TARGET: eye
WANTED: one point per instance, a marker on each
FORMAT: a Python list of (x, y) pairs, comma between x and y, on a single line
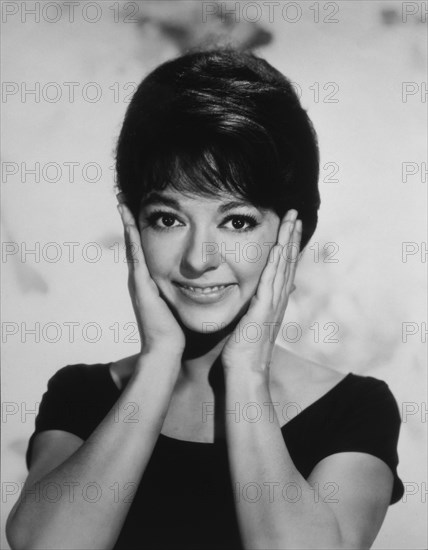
[(161, 215), (243, 219), (168, 219)]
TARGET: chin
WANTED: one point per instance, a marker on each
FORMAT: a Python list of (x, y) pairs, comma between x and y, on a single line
[(206, 320)]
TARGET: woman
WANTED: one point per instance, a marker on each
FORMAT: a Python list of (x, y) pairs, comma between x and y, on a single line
[(189, 443)]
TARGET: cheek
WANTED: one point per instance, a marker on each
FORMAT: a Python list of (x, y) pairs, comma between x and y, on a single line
[(253, 259), (156, 255)]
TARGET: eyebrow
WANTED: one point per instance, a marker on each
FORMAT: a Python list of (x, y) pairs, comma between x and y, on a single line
[(157, 198)]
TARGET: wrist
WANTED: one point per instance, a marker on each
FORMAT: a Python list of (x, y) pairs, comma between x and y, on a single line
[(246, 365), (164, 358), (245, 374), (162, 350)]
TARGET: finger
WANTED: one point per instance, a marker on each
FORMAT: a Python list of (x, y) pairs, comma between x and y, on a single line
[(127, 216), (264, 289), (294, 259), (134, 250), (284, 228), (292, 249), (128, 235), (285, 236)]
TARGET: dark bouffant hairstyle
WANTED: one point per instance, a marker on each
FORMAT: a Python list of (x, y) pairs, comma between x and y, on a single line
[(220, 121)]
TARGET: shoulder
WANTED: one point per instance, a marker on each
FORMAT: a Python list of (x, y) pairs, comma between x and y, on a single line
[(78, 395), (360, 415), (303, 381), (292, 368), (362, 412), (298, 379), (72, 402), (66, 376), (78, 378)]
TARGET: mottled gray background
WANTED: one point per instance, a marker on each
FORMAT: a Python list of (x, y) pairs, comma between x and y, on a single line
[(350, 61)]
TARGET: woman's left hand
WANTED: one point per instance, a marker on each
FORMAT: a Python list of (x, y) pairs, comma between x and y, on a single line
[(267, 307)]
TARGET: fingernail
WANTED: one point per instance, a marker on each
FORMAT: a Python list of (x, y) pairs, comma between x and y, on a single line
[(292, 215)]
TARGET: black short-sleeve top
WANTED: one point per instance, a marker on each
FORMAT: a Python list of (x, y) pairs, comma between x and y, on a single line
[(189, 482)]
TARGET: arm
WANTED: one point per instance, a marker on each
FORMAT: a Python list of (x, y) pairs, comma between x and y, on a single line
[(116, 452), (258, 455), (279, 509)]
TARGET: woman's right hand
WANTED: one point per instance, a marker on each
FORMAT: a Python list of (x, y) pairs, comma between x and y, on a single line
[(159, 330)]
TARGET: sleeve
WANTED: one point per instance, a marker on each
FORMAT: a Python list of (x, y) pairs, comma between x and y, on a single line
[(371, 424), (57, 410)]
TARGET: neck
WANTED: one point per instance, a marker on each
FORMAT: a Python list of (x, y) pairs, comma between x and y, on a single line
[(201, 356)]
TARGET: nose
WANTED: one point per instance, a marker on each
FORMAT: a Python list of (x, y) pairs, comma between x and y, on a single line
[(201, 253)]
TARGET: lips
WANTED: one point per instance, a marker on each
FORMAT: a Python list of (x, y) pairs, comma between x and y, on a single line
[(207, 294), (205, 289)]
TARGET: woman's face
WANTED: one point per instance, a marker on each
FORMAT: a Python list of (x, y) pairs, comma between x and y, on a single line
[(195, 241)]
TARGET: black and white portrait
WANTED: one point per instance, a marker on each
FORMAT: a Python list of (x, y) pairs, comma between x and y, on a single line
[(214, 275)]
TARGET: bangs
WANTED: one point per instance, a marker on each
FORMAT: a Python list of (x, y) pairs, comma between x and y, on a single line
[(208, 170)]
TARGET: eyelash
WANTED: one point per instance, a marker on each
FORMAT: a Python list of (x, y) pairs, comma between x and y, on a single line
[(157, 214)]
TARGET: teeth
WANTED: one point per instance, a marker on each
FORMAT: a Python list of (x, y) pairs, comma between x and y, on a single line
[(207, 290)]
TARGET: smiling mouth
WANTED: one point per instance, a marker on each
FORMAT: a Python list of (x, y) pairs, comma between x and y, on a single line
[(207, 295), (204, 290)]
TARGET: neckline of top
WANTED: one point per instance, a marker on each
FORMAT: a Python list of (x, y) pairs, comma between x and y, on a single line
[(283, 427)]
